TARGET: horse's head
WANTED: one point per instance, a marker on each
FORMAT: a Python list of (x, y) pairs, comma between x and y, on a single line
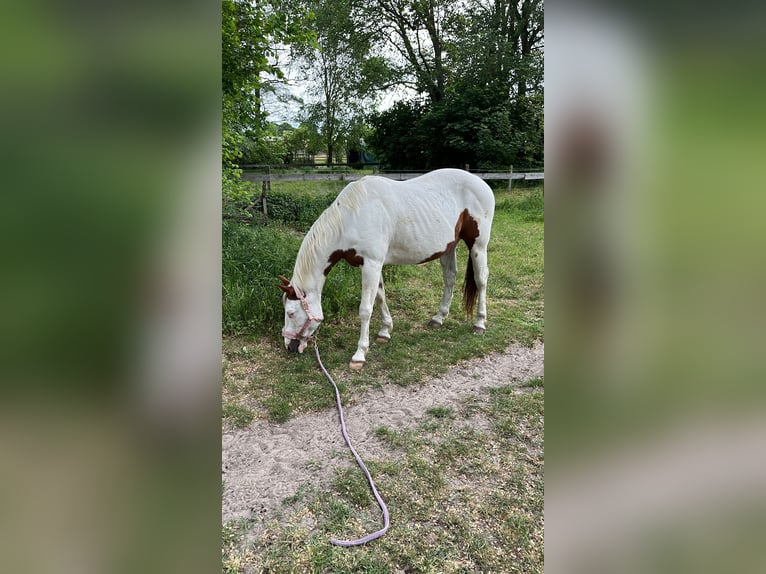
[(303, 315)]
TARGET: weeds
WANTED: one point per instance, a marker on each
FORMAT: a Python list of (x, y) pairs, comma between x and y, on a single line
[(238, 415)]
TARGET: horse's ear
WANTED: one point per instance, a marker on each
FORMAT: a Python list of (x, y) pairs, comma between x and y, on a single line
[(289, 290), (284, 280)]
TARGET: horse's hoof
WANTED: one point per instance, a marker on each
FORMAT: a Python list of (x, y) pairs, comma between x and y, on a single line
[(433, 323), (380, 339), (356, 365), (478, 330)]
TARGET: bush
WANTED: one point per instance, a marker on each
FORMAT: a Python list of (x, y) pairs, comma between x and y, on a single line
[(297, 210)]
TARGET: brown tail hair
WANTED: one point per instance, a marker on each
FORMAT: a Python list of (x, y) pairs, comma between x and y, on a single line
[(470, 290)]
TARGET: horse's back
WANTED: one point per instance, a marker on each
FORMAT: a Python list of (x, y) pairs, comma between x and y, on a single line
[(465, 189), (414, 220), (459, 188)]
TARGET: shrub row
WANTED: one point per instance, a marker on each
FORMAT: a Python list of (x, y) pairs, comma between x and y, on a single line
[(296, 209)]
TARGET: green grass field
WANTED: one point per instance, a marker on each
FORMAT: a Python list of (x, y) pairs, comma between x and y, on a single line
[(465, 482)]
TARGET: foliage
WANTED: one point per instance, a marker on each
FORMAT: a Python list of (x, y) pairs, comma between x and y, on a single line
[(301, 143), (479, 64), (341, 70), (398, 139), (419, 34), (529, 206), (297, 210), (236, 193), (475, 65), (252, 259), (250, 34), (472, 125)]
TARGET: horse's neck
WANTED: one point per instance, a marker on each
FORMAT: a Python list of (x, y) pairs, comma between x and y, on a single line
[(313, 259), (312, 281)]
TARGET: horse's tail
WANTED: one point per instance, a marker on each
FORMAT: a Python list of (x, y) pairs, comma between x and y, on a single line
[(470, 291)]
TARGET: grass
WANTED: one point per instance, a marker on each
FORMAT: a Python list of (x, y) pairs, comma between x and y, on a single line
[(260, 375), (464, 484), (461, 500), (239, 416)]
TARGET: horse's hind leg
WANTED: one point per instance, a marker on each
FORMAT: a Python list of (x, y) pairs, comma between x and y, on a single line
[(481, 272), (449, 273), (388, 323), (370, 280)]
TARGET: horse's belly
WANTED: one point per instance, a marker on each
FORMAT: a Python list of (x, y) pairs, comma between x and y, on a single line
[(413, 249)]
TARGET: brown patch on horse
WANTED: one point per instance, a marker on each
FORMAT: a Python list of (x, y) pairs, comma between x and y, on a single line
[(466, 228), (289, 291), (350, 255), (469, 229), (438, 254)]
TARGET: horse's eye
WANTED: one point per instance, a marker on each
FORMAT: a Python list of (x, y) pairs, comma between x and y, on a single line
[(291, 314)]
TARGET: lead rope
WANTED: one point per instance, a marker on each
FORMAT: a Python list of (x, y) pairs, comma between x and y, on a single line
[(360, 462)]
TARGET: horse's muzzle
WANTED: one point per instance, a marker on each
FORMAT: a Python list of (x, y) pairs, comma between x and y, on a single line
[(293, 346)]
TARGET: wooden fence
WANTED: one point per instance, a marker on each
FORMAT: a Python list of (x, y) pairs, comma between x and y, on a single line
[(398, 176), (268, 177)]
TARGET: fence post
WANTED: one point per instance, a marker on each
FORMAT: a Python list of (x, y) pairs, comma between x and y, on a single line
[(510, 178), (266, 185)]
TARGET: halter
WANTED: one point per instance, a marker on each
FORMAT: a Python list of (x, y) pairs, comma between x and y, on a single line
[(302, 334)]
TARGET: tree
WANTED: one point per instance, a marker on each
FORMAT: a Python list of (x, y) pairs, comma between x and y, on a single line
[(340, 68), (479, 63), (397, 137), (250, 34), (416, 30)]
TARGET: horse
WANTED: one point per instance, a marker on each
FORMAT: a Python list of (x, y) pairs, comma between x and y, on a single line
[(376, 221)]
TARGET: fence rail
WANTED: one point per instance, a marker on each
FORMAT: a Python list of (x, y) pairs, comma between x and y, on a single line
[(397, 176)]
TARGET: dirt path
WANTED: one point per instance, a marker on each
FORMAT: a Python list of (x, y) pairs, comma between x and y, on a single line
[(265, 463)]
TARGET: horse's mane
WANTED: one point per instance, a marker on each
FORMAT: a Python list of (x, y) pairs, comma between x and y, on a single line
[(328, 227)]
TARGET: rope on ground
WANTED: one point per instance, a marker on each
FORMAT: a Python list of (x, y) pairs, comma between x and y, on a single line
[(360, 462)]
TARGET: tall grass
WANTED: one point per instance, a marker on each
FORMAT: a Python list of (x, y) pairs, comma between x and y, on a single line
[(252, 258), (527, 203), (297, 210)]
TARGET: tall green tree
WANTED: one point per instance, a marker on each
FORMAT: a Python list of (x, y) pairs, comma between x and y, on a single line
[(251, 33), (418, 31), (340, 69), (478, 63)]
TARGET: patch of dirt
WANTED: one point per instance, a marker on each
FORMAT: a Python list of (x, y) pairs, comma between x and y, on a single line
[(265, 463)]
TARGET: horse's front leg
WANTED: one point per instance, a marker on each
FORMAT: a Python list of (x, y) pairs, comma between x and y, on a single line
[(370, 278)]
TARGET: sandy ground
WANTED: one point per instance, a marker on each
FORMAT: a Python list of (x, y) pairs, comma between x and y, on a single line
[(265, 463)]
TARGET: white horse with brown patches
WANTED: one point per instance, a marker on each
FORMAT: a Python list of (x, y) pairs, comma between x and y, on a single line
[(376, 221)]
